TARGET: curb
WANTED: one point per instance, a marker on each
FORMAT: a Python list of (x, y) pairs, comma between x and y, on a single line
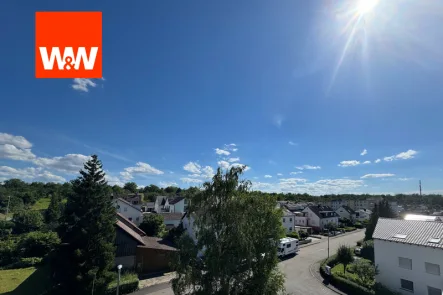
[(316, 274)]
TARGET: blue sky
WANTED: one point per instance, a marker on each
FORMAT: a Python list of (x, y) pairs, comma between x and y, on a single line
[(296, 90)]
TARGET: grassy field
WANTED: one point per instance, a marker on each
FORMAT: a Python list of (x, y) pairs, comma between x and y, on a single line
[(338, 269), (41, 204), (30, 280)]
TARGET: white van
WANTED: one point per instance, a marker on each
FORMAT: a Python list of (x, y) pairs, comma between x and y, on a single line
[(287, 246)]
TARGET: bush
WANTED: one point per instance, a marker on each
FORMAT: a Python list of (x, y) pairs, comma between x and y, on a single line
[(349, 229), (349, 287), (294, 235), (8, 252), (303, 235), (25, 262), (27, 221), (367, 250), (6, 228), (358, 225), (38, 244), (359, 243), (128, 284)]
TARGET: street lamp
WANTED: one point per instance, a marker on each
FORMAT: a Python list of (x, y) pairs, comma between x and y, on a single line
[(119, 267)]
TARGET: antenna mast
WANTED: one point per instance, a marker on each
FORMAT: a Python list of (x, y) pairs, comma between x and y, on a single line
[(419, 185)]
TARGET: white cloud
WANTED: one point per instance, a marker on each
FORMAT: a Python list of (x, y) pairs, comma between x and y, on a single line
[(126, 176), (194, 175), (308, 167), (207, 172), (9, 151), (292, 143), (167, 183), (405, 179), (191, 180), (29, 174), (231, 144), (268, 176), (234, 150), (81, 84), (222, 152), (409, 154), (246, 168), (192, 167), (223, 164), (17, 141), (366, 162), (279, 174), (278, 120), (379, 175), (295, 173), (349, 163), (364, 152), (233, 159), (263, 186), (70, 163), (377, 161), (320, 187), (113, 180), (142, 168)]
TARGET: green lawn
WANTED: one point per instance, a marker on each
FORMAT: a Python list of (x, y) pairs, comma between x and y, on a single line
[(23, 281), (41, 204), (338, 269)]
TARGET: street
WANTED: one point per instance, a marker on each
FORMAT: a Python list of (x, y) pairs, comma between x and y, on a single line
[(299, 279)]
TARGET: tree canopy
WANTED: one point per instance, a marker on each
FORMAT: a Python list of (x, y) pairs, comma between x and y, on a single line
[(153, 225), (238, 234), (383, 209)]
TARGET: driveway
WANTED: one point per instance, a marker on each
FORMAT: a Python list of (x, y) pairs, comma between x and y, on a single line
[(299, 279)]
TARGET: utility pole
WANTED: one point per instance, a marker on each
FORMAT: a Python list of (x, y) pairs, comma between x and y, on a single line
[(328, 243), (419, 185), (7, 208)]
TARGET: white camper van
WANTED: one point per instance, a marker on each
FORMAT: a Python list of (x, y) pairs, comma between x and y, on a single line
[(287, 246)]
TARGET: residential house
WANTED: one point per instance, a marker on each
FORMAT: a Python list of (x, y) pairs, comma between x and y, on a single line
[(171, 219), (409, 255), (319, 216), (300, 219), (131, 212), (362, 214), (288, 220), (170, 204), (136, 250), (346, 212), (148, 207)]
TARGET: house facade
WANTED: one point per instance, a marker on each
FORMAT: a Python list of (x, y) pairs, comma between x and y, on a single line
[(131, 212), (362, 214), (409, 255), (319, 216), (346, 212), (288, 221), (170, 204)]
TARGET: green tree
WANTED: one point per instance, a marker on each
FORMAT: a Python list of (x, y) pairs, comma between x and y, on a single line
[(383, 209), (117, 191), (38, 244), (238, 233), (27, 221), (54, 211), (171, 189), (367, 250), (131, 186), (153, 225), (365, 272), (344, 256), (89, 231)]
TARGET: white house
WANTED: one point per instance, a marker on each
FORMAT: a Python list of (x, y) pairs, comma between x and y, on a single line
[(131, 212), (346, 212), (170, 204), (300, 219), (288, 220), (409, 255), (319, 216), (362, 214)]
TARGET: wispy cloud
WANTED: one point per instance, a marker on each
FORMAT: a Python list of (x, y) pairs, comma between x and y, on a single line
[(83, 85), (167, 183), (268, 176), (222, 152), (364, 152), (141, 169), (349, 163), (366, 162), (377, 161), (198, 171), (279, 174), (409, 154), (308, 167), (292, 143), (296, 172), (191, 180), (231, 160), (379, 175)]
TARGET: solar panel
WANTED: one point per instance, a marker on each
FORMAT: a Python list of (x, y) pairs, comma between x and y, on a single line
[(400, 236), (434, 240)]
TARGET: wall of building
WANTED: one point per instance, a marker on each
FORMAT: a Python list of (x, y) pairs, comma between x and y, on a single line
[(343, 213), (172, 223), (300, 221), (128, 262), (125, 244), (178, 207), (131, 213), (288, 223), (386, 257), (153, 260)]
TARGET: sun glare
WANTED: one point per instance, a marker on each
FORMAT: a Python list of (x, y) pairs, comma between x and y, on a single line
[(365, 6)]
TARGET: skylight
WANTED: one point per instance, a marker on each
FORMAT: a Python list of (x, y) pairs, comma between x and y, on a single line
[(434, 240), (400, 236)]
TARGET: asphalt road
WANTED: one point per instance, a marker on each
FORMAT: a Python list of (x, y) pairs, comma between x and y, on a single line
[(299, 279)]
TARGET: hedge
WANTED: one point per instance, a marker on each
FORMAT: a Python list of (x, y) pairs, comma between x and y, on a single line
[(24, 262), (128, 284), (348, 286)]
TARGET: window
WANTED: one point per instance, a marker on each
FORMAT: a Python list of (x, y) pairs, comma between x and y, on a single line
[(433, 269), (125, 209), (434, 291), (284, 219), (290, 229), (130, 218), (288, 246), (290, 219), (405, 263), (137, 219), (407, 285)]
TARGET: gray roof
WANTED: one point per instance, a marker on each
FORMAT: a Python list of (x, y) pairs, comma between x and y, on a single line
[(416, 232), (349, 209), (171, 216)]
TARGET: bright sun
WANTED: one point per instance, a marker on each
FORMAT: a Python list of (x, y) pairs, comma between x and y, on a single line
[(365, 6)]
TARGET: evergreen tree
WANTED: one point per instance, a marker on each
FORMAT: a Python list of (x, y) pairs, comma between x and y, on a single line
[(54, 211), (381, 210), (89, 232), (238, 234)]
